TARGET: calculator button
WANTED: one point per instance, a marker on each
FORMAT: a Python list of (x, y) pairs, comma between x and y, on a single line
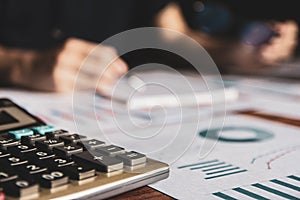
[(56, 134), (59, 162), (67, 150), (91, 144), (132, 158), (21, 149), (98, 161), (49, 144), (13, 161), (4, 153), (110, 150), (52, 179), (7, 142), (79, 172), (43, 129), (7, 174), (19, 133), (37, 156), (72, 138), (31, 139), (30, 169), (21, 188)]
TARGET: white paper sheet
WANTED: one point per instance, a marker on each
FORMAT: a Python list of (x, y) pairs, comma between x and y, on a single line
[(96, 114), (260, 161), (177, 142)]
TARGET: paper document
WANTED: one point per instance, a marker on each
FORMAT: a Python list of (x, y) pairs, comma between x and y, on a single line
[(252, 157), (91, 113), (170, 89)]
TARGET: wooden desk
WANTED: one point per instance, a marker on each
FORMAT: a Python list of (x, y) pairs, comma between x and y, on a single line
[(142, 193), (149, 193)]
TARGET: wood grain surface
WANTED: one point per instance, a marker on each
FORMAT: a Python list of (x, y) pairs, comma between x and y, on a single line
[(145, 192)]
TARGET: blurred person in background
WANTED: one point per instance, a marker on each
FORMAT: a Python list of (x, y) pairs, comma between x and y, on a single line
[(43, 43), (241, 36)]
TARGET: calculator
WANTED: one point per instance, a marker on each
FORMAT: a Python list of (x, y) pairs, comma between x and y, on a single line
[(40, 161)]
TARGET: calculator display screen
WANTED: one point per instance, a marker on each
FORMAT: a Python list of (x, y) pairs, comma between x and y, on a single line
[(6, 118), (12, 117)]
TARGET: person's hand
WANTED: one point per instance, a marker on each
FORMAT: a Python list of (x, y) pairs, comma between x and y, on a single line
[(280, 47), (89, 64), (249, 59), (78, 64)]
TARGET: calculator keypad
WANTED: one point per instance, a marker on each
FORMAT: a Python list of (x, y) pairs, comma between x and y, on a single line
[(13, 161), (91, 144), (7, 142), (99, 161), (67, 150), (30, 169), (52, 179), (41, 157), (110, 150), (79, 171), (21, 149), (7, 175), (19, 187), (30, 140), (72, 138), (132, 158), (19, 133), (4, 153), (49, 144)]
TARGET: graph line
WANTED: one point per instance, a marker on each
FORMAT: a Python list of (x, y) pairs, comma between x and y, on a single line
[(296, 147), (280, 156)]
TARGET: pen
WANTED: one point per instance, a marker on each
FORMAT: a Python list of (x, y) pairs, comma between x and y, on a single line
[(136, 83)]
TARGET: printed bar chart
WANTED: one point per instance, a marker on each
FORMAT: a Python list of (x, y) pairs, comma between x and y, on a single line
[(275, 188), (214, 168)]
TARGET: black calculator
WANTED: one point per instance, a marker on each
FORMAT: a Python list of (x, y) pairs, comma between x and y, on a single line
[(40, 161)]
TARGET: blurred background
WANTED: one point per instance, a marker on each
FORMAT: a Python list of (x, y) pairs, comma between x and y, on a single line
[(243, 37)]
